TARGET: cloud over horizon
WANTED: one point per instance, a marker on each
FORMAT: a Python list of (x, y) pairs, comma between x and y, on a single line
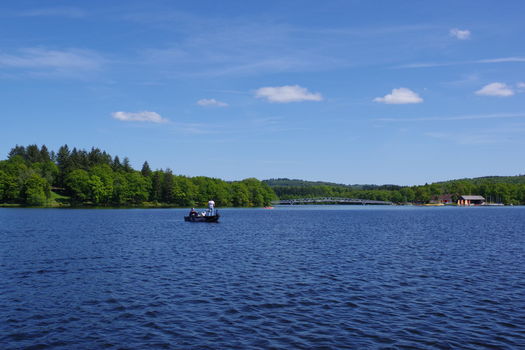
[(495, 89), (143, 116), (286, 94), (400, 96), (211, 102)]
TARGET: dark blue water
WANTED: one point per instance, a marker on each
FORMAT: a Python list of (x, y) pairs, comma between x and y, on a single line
[(346, 277)]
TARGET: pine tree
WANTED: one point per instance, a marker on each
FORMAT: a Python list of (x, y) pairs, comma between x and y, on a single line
[(146, 170), (127, 167), (63, 157), (33, 154), (156, 186), (116, 164), (95, 156), (44, 154), (17, 151), (167, 187), (64, 164)]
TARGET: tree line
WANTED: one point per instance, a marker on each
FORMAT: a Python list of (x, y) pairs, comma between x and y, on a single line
[(35, 176), (506, 190)]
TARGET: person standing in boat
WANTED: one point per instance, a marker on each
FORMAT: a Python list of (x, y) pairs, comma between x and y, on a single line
[(211, 208)]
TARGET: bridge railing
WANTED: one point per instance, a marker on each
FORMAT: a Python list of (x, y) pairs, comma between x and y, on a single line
[(339, 200)]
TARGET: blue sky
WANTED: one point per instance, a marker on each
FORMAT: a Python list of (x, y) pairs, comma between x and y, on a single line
[(402, 92)]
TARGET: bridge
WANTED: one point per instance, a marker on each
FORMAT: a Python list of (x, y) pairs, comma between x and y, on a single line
[(330, 200)]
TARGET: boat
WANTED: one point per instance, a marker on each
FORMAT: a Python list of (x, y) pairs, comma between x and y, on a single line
[(209, 215), (202, 218)]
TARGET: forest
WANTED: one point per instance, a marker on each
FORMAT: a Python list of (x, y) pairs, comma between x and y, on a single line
[(35, 176), (496, 189)]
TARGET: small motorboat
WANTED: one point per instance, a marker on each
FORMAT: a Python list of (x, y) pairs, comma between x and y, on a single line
[(209, 215), (200, 218)]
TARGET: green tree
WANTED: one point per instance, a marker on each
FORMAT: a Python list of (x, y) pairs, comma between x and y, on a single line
[(33, 154), (44, 154), (47, 170), (36, 190), (156, 186), (77, 183), (97, 190), (167, 187), (257, 199), (396, 197), (422, 194), (121, 193), (97, 157), (138, 187), (116, 165), (146, 170), (240, 195), (19, 151), (126, 166), (9, 188), (184, 191), (106, 176), (64, 164)]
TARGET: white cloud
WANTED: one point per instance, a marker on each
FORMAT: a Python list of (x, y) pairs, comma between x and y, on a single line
[(495, 89), (208, 102), (68, 12), (445, 64), (426, 65), (287, 93), (454, 118), (143, 116), (400, 96), (501, 60), (520, 87), (39, 58), (460, 34)]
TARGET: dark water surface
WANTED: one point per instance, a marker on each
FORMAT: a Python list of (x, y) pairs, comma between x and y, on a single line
[(291, 278)]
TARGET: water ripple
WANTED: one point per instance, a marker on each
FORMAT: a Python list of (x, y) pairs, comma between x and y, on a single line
[(405, 278)]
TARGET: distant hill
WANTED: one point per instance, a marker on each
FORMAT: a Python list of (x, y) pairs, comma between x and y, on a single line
[(498, 189), (518, 179), (285, 182), (299, 183)]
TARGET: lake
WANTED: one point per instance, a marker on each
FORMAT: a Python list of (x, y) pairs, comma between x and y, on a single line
[(326, 277)]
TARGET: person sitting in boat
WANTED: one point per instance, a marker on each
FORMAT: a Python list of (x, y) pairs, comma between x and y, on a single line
[(193, 212)]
